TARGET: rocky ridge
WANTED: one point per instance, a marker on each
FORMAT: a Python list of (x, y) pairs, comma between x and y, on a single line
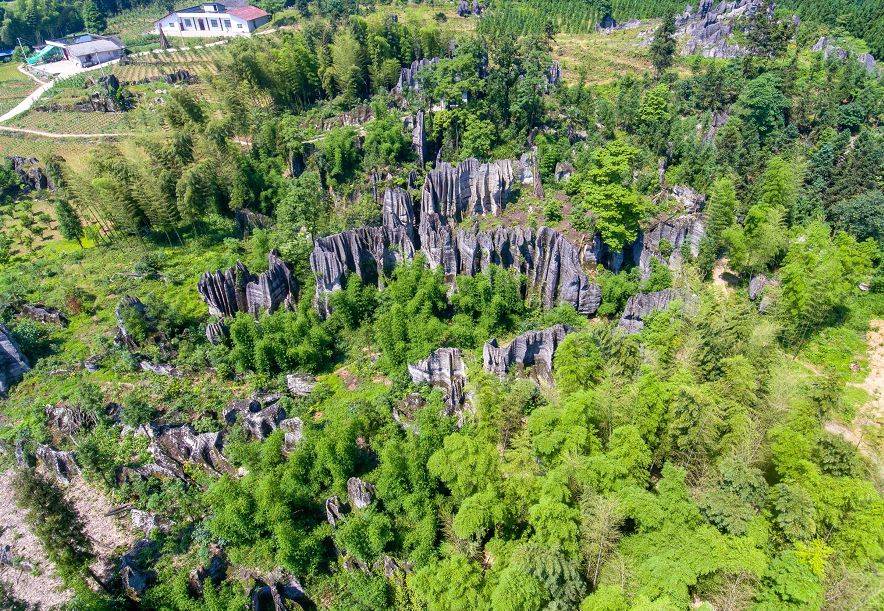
[(534, 348), (238, 290)]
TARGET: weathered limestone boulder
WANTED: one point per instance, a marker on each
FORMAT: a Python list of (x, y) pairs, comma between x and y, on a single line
[(173, 447), (670, 236), (277, 596), (44, 314), (134, 577), (548, 260), (60, 465), (640, 306), (444, 369), (30, 173), (708, 30), (13, 363), (238, 290), (607, 22), (259, 419), (367, 252), (179, 76), (534, 348), (293, 431), (68, 419), (760, 286), (333, 510), (300, 384), (360, 493), (554, 73), (216, 333), (419, 137), (160, 369), (408, 75), (469, 188), (128, 306), (214, 571), (832, 51), (248, 220), (397, 210), (563, 171)]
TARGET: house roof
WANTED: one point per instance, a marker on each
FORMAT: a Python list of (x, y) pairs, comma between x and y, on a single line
[(248, 12), (86, 44)]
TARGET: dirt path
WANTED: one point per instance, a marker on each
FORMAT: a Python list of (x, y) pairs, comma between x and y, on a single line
[(865, 431), (33, 577), (36, 132)]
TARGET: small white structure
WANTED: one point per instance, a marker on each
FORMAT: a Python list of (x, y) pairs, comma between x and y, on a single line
[(88, 50), (212, 19)]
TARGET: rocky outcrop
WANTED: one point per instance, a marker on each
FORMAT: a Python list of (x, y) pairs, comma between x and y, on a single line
[(563, 171), (44, 314), (333, 511), (277, 595), (554, 74), (832, 51), (708, 29), (640, 306), (30, 173), (127, 311), (68, 420), (534, 348), (465, 8), (367, 253), (258, 418), (293, 432), (60, 465), (134, 577), (13, 363), (397, 210), (470, 188), (247, 221), (213, 571), (549, 261), (760, 290), (444, 369), (419, 138), (300, 384), (408, 75), (360, 115), (238, 290), (360, 493), (175, 447), (669, 238), (216, 333)]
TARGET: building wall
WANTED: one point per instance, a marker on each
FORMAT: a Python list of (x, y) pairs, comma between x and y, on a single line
[(97, 58), (214, 24)]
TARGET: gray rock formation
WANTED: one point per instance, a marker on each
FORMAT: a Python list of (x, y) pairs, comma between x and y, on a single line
[(760, 287), (280, 595), (832, 51), (293, 432), (465, 8), (68, 419), (534, 348), (397, 211), (333, 510), (60, 465), (128, 306), (360, 493), (214, 572), (367, 253), (238, 290), (668, 238), (175, 447), (247, 221), (216, 333), (640, 306), (133, 576), (300, 384), (30, 173), (13, 363), (258, 418), (554, 74), (160, 369), (44, 314), (470, 188), (444, 369), (563, 171), (419, 138), (708, 29), (408, 75)]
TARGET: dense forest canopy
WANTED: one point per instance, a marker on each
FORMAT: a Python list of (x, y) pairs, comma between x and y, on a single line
[(400, 308)]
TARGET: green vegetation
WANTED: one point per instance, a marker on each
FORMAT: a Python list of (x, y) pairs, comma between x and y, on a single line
[(725, 454)]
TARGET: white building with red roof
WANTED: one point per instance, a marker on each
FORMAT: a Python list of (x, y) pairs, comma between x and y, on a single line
[(212, 19)]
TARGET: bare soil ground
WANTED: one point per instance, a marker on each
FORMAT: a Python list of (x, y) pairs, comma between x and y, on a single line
[(34, 580), (865, 432)]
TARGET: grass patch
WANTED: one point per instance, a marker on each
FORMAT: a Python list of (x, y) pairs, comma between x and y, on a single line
[(72, 122), (14, 86)]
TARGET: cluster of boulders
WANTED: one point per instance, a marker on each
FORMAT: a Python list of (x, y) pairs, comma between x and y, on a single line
[(830, 50), (671, 236), (531, 349), (443, 369), (238, 290), (408, 75), (708, 29), (13, 363), (465, 8), (640, 306), (30, 173)]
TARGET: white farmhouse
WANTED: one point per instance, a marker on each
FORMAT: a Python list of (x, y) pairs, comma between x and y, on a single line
[(212, 19), (88, 50)]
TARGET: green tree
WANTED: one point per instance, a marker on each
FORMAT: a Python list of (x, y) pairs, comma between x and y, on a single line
[(94, 19), (663, 46), (68, 222)]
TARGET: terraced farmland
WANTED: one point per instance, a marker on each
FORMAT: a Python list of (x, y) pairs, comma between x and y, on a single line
[(155, 65)]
